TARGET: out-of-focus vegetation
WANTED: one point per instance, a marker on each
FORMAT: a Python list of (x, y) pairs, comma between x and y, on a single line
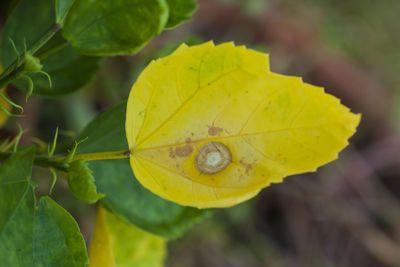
[(347, 214), (366, 31)]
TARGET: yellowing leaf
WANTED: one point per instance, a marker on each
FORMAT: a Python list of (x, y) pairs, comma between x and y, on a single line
[(210, 126), (116, 243)]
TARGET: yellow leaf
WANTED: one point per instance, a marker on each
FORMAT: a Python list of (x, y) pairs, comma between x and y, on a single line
[(210, 126), (116, 243), (4, 104)]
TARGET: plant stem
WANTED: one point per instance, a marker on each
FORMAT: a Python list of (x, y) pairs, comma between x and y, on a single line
[(16, 68), (41, 161), (44, 39), (58, 163), (47, 162), (13, 75)]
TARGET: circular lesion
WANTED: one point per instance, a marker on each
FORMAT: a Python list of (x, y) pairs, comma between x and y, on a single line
[(212, 158)]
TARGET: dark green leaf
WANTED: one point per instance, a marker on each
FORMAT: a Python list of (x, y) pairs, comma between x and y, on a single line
[(124, 194), (46, 236), (114, 27), (62, 8), (57, 239), (179, 11), (16, 210), (81, 182), (69, 70), (27, 22)]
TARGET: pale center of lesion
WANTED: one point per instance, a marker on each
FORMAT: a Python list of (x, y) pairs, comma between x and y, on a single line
[(212, 158)]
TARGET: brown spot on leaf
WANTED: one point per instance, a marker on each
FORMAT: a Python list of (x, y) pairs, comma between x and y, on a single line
[(182, 151), (212, 130), (171, 153), (247, 166)]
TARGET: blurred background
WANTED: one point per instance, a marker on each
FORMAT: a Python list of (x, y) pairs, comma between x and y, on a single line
[(346, 214)]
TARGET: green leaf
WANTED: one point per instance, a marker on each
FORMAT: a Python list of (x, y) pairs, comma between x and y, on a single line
[(62, 8), (114, 27), (179, 11), (118, 243), (56, 236), (81, 182), (16, 209), (69, 70), (29, 236), (124, 195), (27, 22)]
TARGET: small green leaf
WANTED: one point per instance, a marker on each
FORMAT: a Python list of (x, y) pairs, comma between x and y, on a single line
[(180, 11), (29, 236), (32, 64), (81, 182), (114, 27), (124, 194), (62, 8)]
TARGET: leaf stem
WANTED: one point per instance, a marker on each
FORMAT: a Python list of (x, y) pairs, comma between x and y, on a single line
[(41, 161), (45, 38), (59, 164), (99, 156)]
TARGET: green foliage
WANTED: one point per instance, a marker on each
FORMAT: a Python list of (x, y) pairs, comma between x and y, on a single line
[(26, 24), (16, 209), (69, 71), (124, 194), (32, 63), (29, 236), (62, 8), (56, 237), (114, 27), (179, 11), (103, 28), (81, 182)]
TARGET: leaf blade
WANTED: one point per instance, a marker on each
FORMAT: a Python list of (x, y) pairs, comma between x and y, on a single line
[(61, 10), (82, 183), (272, 125), (180, 11), (114, 28), (57, 238), (46, 236), (16, 209)]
